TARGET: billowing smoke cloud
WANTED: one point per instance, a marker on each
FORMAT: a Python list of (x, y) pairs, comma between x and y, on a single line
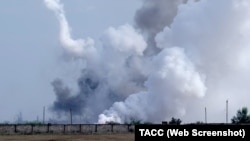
[(215, 36), (181, 56), (153, 17), (113, 71), (172, 81)]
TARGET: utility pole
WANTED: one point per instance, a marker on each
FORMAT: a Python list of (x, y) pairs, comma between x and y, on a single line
[(205, 115), (227, 111), (44, 115), (70, 111)]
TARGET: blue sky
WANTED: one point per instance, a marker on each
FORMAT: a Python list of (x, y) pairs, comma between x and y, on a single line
[(31, 56)]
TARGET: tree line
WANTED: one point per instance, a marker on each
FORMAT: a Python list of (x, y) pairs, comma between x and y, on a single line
[(242, 117)]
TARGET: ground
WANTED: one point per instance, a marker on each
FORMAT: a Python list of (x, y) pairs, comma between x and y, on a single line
[(109, 137)]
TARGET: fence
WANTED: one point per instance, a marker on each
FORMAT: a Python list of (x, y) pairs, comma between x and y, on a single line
[(66, 129)]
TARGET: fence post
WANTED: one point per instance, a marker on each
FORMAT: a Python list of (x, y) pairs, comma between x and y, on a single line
[(95, 127), (64, 129), (111, 127), (32, 128), (15, 128), (48, 127)]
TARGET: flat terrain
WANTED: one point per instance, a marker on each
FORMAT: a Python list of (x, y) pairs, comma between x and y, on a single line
[(114, 137)]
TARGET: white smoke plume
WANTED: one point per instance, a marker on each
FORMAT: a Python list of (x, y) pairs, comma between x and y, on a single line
[(172, 81), (215, 35), (79, 47), (197, 57)]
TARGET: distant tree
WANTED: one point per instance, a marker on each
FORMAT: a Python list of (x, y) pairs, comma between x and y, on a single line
[(33, 123), (148, 122), (175, 121), (242, 116), (199, 122), (135, 122), (112, 122)]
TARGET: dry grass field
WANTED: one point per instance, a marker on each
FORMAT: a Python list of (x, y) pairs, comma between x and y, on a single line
[(109, 137)]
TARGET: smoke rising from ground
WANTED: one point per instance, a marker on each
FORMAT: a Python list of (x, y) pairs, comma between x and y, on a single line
[(172, 81), (180, 57)]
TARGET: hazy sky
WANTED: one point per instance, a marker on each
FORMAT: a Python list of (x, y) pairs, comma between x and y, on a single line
[(30, 53), (181, 57)]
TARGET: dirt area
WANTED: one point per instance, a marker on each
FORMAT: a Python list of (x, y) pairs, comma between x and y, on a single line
[(114, 137)]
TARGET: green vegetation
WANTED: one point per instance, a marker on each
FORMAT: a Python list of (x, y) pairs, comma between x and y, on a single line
[(199, 122), (242, 116), (173, 121), (112, 122), (136, 122)]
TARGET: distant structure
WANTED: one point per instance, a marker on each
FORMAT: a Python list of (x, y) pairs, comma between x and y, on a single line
[(227, 111), (44, 115), (70, 112), (205, 115)]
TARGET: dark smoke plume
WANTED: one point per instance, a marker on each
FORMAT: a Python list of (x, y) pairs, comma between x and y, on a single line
[(153, 16)]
